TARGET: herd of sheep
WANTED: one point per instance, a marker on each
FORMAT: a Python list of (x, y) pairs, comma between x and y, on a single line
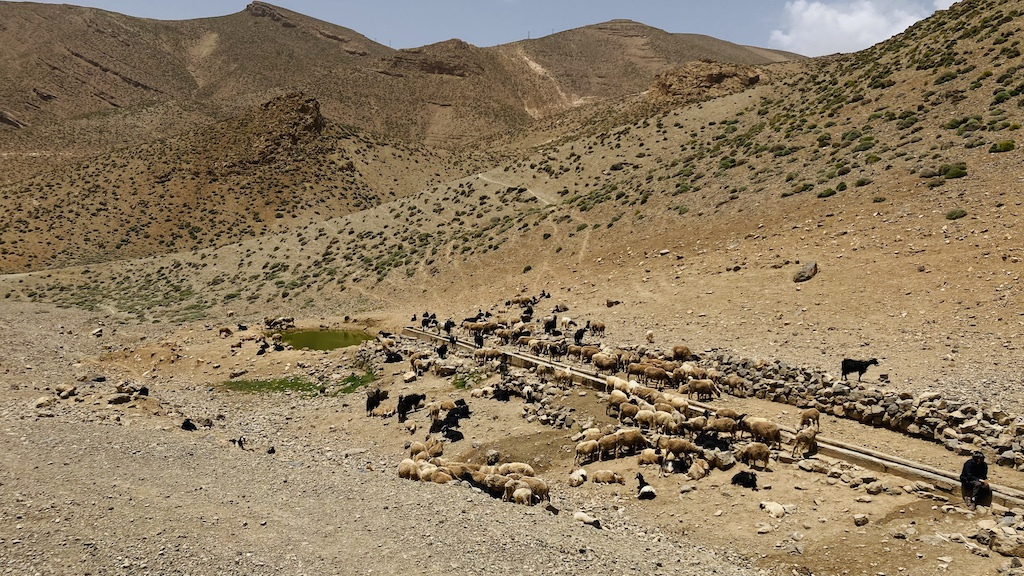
[(647, 393)]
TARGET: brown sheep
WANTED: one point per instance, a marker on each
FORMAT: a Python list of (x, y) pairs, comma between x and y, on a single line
[(681, 352), (704, 389), (753, 453), (604, 362), (607, 477), (720, 425), (608, 443), (809, 416), (763, 430), (657, 375), (631, 440), (628, 411)]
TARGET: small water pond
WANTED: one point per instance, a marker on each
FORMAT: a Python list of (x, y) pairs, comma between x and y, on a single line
[(324, 339)]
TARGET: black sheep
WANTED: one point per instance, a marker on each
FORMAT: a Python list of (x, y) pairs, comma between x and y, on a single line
[(745, 479), (478, 339), (858, 366), (442, 351), (577, 336)]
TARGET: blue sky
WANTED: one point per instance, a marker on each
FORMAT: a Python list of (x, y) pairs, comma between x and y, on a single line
[(809, 27)]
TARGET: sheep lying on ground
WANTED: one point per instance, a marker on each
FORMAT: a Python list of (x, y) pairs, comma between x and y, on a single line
[(745, 479), (650, 456), (608, 477), (578, 477), (644, 491)]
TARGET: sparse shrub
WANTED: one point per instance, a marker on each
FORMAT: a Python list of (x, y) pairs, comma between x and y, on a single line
[(956, 214), (878, 199), (1002, 146), (826, 193), (950, 171), (527, 268), (936, 182), (862, 182)]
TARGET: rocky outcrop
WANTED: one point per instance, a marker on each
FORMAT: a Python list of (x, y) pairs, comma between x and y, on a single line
[(698, 81)]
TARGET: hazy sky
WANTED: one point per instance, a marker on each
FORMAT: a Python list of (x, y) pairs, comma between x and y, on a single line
[(809, 27)]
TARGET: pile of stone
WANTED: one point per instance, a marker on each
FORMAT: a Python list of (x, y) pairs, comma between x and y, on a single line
[(961, 426)]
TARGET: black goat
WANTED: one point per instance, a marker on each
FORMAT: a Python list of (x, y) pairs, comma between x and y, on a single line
[(373, 399), (442, 351), (746, 480), (448, 325), (644, 491), (577, 336), (858, 366), (478, 339), (409, 403)]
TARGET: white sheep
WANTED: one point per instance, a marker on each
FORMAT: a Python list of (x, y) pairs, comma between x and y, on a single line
[(578, 477), (523, 496)]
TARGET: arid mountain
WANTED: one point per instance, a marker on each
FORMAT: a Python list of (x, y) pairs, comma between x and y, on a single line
[(268, 171), (75, 82)]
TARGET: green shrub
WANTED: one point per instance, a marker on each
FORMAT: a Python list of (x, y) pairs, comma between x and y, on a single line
[(878, 199), (958, 170), (527, 268), (956, 214), (826, 193), (1003, 146), (936, 182), (862, 182), (841, 187)]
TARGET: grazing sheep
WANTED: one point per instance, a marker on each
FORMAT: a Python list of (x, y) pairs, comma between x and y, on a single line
[(604, 362), (722, 425), (592, 434), (608, 477), (630, 440), (578, 477), (649, 336), (745, 479), (736, 384), (681, 352), (523, 496), (585, 451), (704, 389), (753, 453), (538, 487), (810, 416), (678, 446), (805, 438), (615, 400), (859, 366), (657, 375), (644, 491), (608, 443), (645, 418), (728, 413), (763, 430), (597, 328), (628, 411)]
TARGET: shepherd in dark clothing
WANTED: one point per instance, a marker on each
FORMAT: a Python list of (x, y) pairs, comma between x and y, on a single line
[(974, 480)]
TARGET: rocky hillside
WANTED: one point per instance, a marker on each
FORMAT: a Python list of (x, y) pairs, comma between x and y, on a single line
[(278, 167)]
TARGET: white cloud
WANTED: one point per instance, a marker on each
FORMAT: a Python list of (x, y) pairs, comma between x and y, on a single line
[(816, 28)]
